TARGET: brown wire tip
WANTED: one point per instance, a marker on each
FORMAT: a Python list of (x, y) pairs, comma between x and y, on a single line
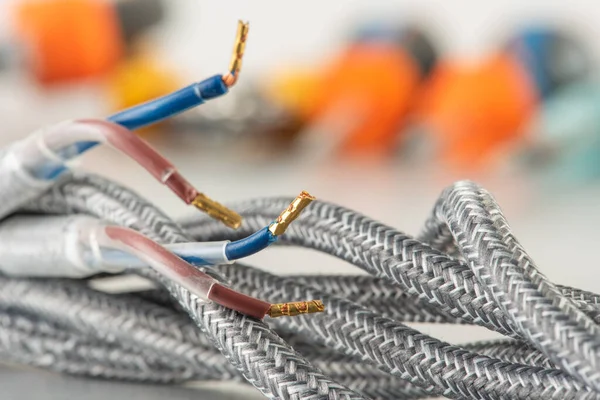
[(217, 211), (295, 308), (291, 213), (235, 65)]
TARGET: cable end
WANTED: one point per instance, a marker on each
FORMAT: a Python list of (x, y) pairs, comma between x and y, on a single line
[(291, 213), (235, 65), (295, 308), (217, 211)]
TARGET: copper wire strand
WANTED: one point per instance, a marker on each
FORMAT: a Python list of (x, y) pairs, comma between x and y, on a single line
[(295, 308), (293, 211), (235, 65)]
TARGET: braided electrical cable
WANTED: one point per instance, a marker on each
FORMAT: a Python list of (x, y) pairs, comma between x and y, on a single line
[(77, 356), (339, 368), (399, 260), (36, 342), (345, 368), (407, 269), (419, 270), (400, 350), (512, 351), (502, 266), (380, 297), (132, 323), (185, 359), (263, 358)]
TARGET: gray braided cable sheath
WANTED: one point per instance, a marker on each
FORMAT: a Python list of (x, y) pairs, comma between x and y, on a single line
[(409, 354), (379, 296), (512, 351), (347, 371), (340, 245), (61, 306), (45, 300), (340, 367), (439, 237), (386, 298), (264, 359), (412, 266), (77, 203), (111, 357), (418, 270), (64, 353), (38, 343), (158, 332), (547, 318), (421, 272)]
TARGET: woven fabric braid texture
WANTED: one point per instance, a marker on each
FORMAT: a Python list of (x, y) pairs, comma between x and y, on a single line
[(262, 357), (360, 335)]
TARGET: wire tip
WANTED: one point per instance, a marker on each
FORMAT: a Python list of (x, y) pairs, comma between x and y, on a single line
[(217, 211), (235, 65), (295, 308), (291, 213)]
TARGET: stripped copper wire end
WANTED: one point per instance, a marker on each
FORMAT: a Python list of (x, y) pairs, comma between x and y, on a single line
[(217, 211), (295, 308), (235, 65), (291, 213)]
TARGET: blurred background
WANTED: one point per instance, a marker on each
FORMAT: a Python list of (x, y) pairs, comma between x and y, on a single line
[(374, 105)]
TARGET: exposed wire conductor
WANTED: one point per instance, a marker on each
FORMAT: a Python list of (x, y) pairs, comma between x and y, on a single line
[(291, 213), (295, 308), (217, 211), (235, 65)]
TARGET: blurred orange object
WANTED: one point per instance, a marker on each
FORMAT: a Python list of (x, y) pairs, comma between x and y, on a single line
[(473, 112), (68, 39), (359, 101), (295, 90), (374, 83)]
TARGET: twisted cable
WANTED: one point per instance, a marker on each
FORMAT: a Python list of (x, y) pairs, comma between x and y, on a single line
[(452, 273), (501, 265), (262, 357)]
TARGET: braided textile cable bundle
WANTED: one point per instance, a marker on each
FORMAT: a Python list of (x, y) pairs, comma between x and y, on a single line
[(465, 268)]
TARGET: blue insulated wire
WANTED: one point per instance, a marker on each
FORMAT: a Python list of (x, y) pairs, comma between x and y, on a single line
[(252, 244), (165, 107), (146, 114)]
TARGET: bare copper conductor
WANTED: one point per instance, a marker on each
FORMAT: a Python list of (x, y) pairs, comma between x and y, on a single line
[(217, 211), (235, 65), (291, 213), (295, 308)]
